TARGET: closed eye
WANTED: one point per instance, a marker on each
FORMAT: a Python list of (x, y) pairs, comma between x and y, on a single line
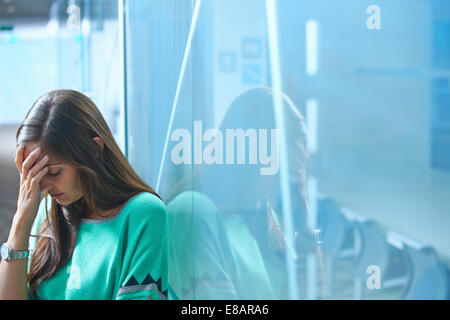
[(54, 174)]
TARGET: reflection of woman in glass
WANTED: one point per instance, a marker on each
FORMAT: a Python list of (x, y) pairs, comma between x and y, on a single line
[(104, 234), (251, 202), (236, 216)]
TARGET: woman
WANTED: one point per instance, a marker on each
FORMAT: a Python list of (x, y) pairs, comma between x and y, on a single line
[(104, 234)]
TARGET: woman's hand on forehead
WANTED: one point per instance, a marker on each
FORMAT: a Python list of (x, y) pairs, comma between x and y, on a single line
[(29, 148)]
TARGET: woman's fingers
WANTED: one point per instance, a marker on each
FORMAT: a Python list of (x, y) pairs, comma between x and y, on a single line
[(19, 157), (29, 162), (38, 177), (32, 170), (37, 167)]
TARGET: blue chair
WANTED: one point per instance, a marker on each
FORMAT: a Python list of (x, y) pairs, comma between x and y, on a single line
[(377, 252), (373, 248), (430, 278), (336, 230), (337, 243)]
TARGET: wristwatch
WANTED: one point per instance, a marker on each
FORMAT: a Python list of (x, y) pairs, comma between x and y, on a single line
[(10, 254)]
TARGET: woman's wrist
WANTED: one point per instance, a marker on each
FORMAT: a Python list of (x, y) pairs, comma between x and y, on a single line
[(19, 233), (23, 220)]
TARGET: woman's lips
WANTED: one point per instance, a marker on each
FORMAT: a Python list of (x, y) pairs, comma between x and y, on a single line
[(56, 195)]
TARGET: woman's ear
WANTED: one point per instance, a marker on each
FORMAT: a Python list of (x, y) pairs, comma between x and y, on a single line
[(100, 143)]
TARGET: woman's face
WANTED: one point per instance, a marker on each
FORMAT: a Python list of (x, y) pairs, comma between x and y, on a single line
[(61, 181)]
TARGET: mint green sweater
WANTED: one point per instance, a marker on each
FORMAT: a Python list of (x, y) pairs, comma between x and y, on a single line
[(121, 257)]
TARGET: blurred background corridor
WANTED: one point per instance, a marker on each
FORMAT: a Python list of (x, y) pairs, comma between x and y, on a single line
[(9, 185)]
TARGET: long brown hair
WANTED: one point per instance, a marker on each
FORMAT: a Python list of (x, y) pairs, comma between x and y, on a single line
[(64, 122)]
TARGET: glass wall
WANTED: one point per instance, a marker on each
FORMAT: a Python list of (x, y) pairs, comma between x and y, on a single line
[(302, 147)]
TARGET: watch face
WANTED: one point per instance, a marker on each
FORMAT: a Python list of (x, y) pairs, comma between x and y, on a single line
[(4, 251)]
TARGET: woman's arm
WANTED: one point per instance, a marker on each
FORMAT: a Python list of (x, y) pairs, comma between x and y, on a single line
[(13, 273)]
